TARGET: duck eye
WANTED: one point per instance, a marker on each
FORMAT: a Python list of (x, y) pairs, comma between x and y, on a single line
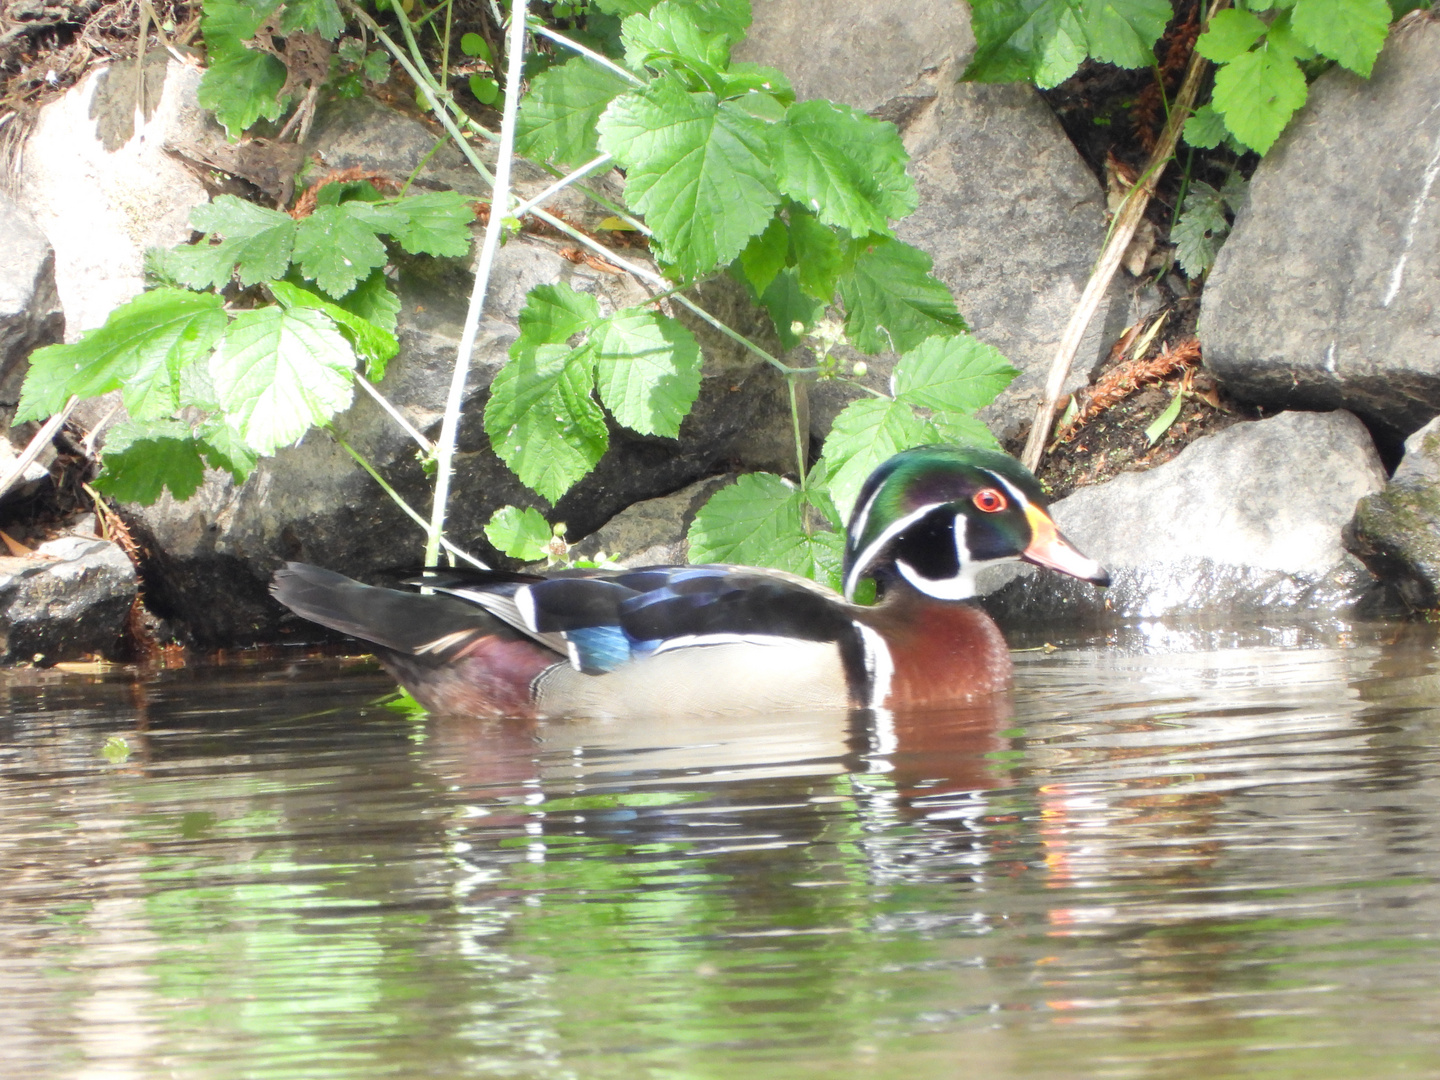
[(990, 501)]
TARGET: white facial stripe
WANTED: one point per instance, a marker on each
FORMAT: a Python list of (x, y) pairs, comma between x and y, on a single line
[(865, 557), (879, 663), (960, 587), (863, 517), (1015, 493)]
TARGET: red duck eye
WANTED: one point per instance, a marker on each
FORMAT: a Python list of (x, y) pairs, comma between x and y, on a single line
[(990, 500)]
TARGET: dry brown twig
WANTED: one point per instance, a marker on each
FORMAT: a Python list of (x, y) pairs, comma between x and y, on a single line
[(1123, 380)]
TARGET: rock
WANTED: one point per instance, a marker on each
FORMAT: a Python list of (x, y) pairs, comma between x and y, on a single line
[(1008, 211), (653, 532), (62, 608), (1396, 532), (1244, 522), (30, 313), (1324, 294), (102, 208)]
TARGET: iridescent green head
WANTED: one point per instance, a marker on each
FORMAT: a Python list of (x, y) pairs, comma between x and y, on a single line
[(935, 515)]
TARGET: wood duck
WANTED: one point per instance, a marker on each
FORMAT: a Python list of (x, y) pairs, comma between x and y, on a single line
[(715, 640)]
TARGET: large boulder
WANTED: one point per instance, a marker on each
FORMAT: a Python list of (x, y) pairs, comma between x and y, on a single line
[(1324, 294), (1246, 522), (1009, 212), (1396, 532), (70, 599)]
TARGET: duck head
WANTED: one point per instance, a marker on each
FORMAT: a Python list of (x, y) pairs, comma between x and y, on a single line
[(934, 515)]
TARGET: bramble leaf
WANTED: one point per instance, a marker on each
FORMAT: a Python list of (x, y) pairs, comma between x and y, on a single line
[(374, 301), (374, 345), (317, 16), (952, 374), (962, 429), (892, 301), (1206, 128), (647, 367), (143, 347), (1229, 34), (142, 458), (278, 371), (558, 115), (242, 86), (1257, 93), (437, 223), (1045, 40), (552, 315), (818, 259), (845, 167), (1351, 32), (521, 534), (223, 448), (1200, 229), (543, 422), (789, 307), (256, 240), (672, 28), (760, 521), (765, 255), (335, 248), (866, 433), (698, 171)]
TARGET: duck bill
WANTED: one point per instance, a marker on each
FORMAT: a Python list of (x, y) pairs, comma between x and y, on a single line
[(1049, 548)]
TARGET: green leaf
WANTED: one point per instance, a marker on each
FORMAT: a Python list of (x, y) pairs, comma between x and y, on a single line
[(223, 448), (377, 66), (278, 371), (1200, 229), (866, 433), (1161, 423), (892, 302), (1350, 32), (1040, 41), (818, 259), (789, 306), (241, 87), (963, 430), (1257, 93), (552, 315), (1206, 128), (765, 255), (476, 46), (671, 29), (1124, 32), (542, 421), (952, 374), (1281, 38), (844, 166), (485, 89), (760, 521), (143, 458), (559, 114), (316, 16), (698, 171), (746, 78), (335, 247), (647, 369), (228, 24), (521, 534), (143, 348), (256, 240), (437, 223), (374, 301), (373, 345), (1229, 34)]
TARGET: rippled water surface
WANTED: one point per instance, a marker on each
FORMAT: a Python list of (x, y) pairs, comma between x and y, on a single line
[(1169, 854)]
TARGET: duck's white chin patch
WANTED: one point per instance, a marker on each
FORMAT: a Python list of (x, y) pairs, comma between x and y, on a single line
[(959, 587)]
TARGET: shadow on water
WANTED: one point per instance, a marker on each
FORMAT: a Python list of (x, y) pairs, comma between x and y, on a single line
[(1170, 852)]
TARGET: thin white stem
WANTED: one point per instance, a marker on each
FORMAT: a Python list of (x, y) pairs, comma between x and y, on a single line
[(589, 54), (561, 184), (395, 414), (39, 442), (499, 201)]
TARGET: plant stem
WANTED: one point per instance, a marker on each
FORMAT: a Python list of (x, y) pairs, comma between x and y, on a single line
[(35, 445), (423, 162), (589, 54), (395, 414), (795, 423), (561, 184), (500, 198)]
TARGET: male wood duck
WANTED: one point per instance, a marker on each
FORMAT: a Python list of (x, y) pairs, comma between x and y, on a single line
[(726, 639)]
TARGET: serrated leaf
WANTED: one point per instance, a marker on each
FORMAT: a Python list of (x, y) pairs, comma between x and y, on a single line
[(559, 114), (963, 430), (789, 306), (279, 371), (1205, 129), (818, 259), (143, 348), (241, 87), (141, 459), (374, 301), (1124, 32), (315, 16), (746, 78), (1041, 41), (866, 433), (552, 315), (1257, 93), (1229, 34), (845, 167), (543, 422), (373, 345), (760, 521), (892, 301), (1351, 32), (698, 171), (1281, 37), (765, 255), (1200, 229), (952, 374), (521, 534), (223, 448), (227, 24), (647, 367), (335, 247), (437, 223), (256, 240), (671, 29)]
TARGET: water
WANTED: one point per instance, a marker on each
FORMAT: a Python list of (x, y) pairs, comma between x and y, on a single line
[(1171, 854)]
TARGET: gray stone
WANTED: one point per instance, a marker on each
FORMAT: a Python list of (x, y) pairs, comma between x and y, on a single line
[(30, 313), (1324, 295), (1245, 522), (653, 532), (73, 603), (1396, 532), (1008, 211)]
